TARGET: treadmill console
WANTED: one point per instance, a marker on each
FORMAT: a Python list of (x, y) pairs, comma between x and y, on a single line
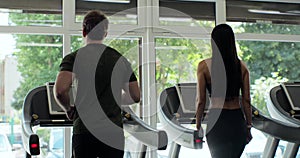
[(292, 92)]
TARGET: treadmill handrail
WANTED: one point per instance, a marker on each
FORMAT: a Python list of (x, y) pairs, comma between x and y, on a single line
[(26, 119), (47, 120), (274, 128), (178, 133), (144, 132)]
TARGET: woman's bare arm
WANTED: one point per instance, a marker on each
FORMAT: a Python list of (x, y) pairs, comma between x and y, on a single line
[(246, 101), (201, 93)]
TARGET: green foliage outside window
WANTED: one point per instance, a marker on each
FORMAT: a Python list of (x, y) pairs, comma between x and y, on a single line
[(264, 28), (270, 63), (176, 58), (265, 58), (261, 88), (129, 47), (38, 56), (35, 19), (38, 62)]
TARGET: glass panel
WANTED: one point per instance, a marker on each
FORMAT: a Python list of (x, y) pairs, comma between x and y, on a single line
[(26, 61), (4, 143), (38, 58), (265, 28), (188, 13), (177, 60), (17, 17), (129, 47), (77, 42), (118, 11), (270, 63), (51, 141), (132, 146), (282, 147)]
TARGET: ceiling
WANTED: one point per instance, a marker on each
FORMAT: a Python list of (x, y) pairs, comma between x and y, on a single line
[(274, 11)]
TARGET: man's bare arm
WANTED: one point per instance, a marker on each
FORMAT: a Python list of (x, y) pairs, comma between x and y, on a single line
[(131, 93), (61, 89)]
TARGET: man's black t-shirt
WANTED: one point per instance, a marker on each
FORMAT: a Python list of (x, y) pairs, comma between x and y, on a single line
[(101, 72)]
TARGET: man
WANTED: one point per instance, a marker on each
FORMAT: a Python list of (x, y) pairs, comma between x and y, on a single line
[(104, 81)]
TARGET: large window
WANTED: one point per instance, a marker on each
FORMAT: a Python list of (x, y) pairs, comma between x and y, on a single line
[(51, 142), (33, 59), (270, 63), (28, 61), (38, 58), (35, 34)]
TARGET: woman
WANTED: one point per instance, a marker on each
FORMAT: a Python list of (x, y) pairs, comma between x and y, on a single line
[(225, 78)]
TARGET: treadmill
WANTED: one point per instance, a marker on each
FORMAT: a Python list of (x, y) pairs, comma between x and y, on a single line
[(283, 104), (40, 109), (171, 105), (176, 109)]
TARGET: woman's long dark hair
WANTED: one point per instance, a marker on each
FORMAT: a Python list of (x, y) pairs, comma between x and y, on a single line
[(224, 55)]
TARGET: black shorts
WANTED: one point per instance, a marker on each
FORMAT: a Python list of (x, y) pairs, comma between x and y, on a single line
[(88, 146)]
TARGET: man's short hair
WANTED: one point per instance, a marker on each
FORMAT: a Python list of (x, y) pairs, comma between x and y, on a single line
[(95, 24)]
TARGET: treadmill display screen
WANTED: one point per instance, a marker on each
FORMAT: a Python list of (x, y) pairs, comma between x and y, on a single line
[(187, 98), (54, 108), (293, 94)]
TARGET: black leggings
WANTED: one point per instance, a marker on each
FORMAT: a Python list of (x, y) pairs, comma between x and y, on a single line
[(88, 146), (226, 133)]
